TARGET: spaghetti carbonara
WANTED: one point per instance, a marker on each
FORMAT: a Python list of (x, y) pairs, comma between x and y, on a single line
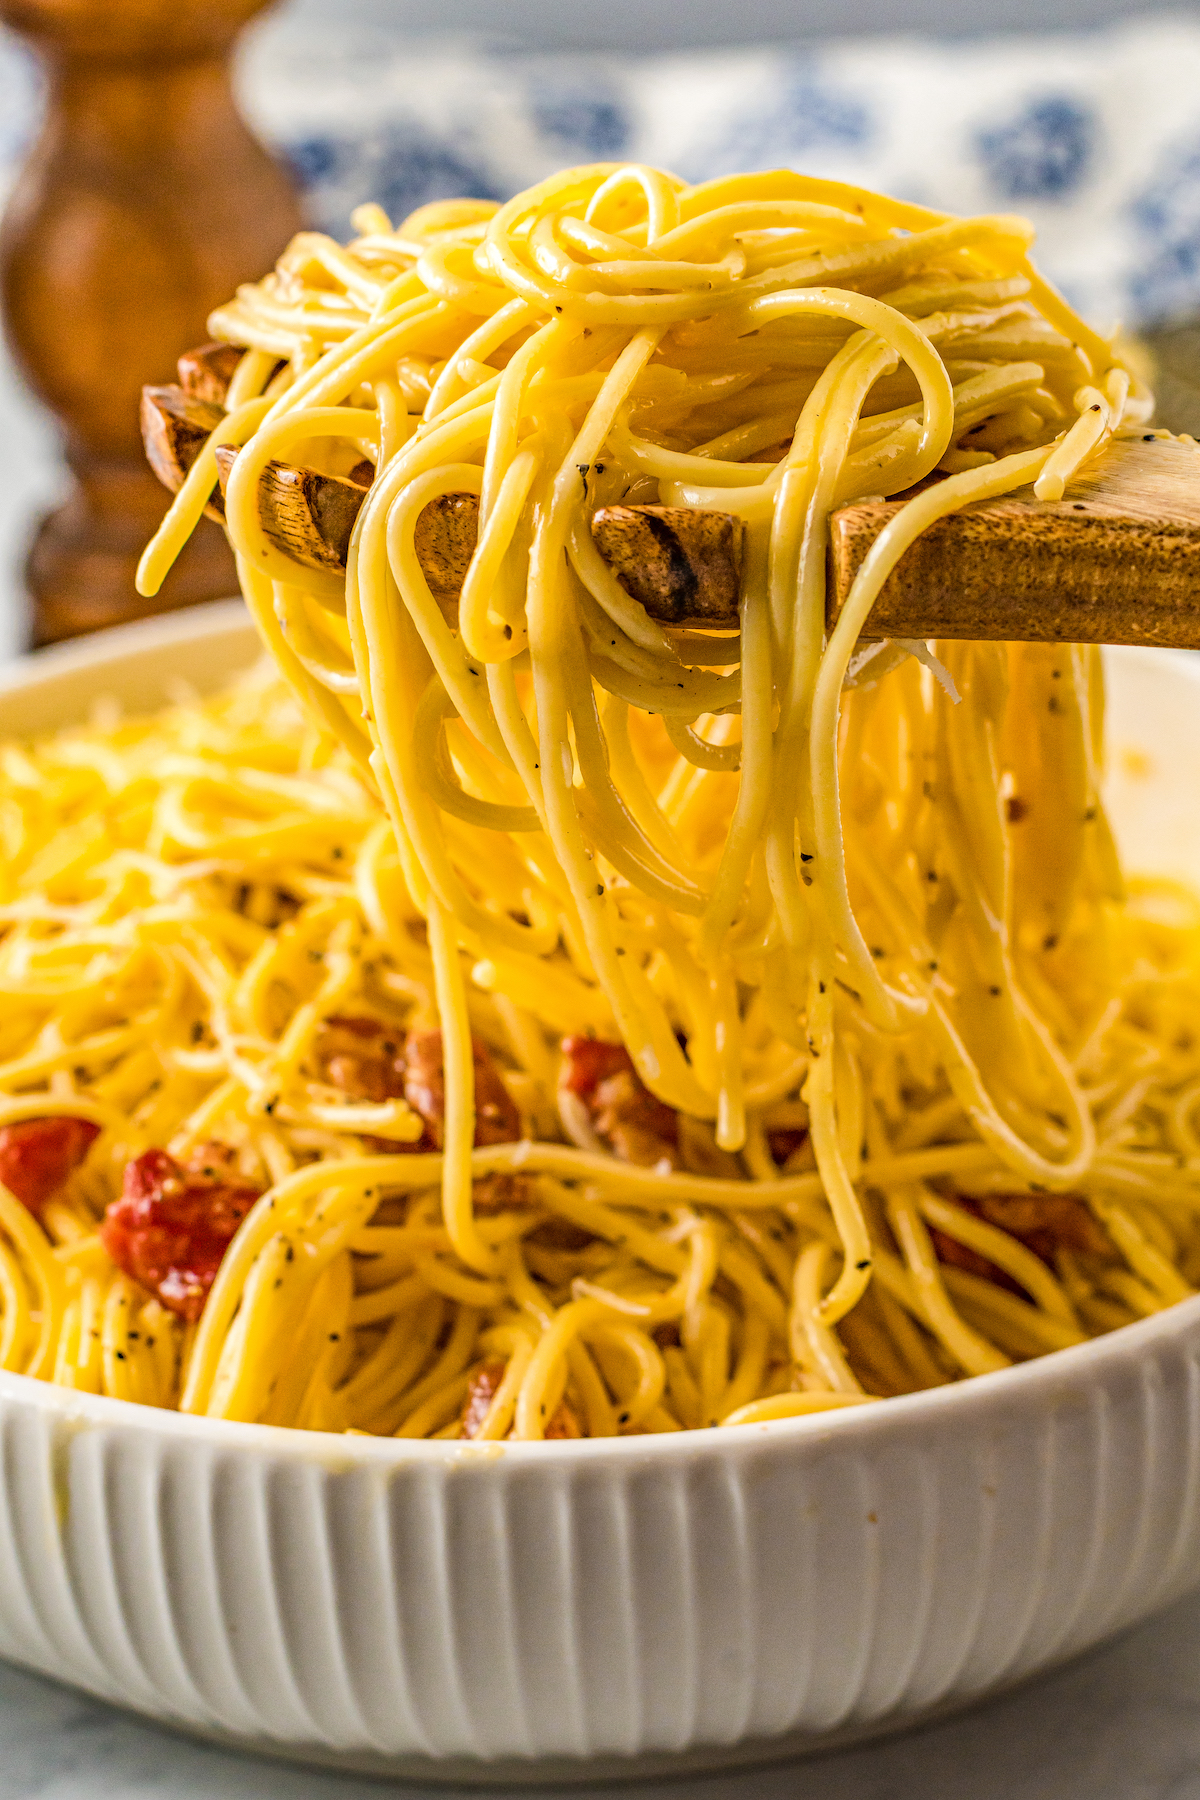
[(530, 1018)]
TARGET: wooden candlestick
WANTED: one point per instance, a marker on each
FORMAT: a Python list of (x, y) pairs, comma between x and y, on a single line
[(143, 204)]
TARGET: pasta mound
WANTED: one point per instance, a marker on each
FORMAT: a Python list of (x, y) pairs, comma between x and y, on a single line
[(571, 1023)]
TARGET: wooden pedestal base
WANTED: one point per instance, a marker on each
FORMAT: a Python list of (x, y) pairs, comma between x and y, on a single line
[(84, 557), (142, 206)]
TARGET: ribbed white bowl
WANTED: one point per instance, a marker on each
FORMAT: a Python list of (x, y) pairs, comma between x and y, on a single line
[(484, 1612)]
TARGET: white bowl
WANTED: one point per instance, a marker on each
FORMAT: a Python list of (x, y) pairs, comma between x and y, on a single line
[(543, 1611)]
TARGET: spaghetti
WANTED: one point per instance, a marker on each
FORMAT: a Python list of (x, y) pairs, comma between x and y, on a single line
[(575, 1024)]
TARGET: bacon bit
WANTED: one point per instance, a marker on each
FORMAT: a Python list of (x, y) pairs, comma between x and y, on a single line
[(1046, 1223), (640, 1128), (637, 1126), (561, 1235), (172, 1226), (363, 1059), (482, 1390), (214, 1161), (961, 1256), (497, 1119), (37, 1156), (786, 1141), (480, 1394), (564, 1424), (366, 1060), (502, 1192)]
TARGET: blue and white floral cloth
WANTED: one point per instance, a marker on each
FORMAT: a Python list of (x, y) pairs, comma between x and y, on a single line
[(1095, 137)]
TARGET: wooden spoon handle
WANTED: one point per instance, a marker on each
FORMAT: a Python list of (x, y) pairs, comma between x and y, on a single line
[(1117, 561)]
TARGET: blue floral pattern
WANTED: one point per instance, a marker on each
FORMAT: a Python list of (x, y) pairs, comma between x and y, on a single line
[(589, 119), (802, 112), (1094, 136), (1166, 220), (399, 165), (1043, 152)]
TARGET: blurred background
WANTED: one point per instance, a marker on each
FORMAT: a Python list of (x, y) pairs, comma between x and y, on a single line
[(1082, 114)]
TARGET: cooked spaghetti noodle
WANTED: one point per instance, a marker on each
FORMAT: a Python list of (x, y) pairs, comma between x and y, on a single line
[(875, 1074)]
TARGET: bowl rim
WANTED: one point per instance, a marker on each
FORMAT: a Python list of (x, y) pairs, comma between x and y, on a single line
[(160, 631), (1040, 1379), (1021, 1388)]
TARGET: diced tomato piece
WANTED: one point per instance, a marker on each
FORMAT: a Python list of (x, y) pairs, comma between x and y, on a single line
[(172, 1226), (37, 1155), (589, 1061), (635, 1124)]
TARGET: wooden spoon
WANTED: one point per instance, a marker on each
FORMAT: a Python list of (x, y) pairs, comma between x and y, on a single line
[(1116, 561)]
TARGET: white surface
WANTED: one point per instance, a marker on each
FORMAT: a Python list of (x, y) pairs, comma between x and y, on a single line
[(382, 1603), (31, 480), (1121, 1724), (624, 25), (369, 1602)]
